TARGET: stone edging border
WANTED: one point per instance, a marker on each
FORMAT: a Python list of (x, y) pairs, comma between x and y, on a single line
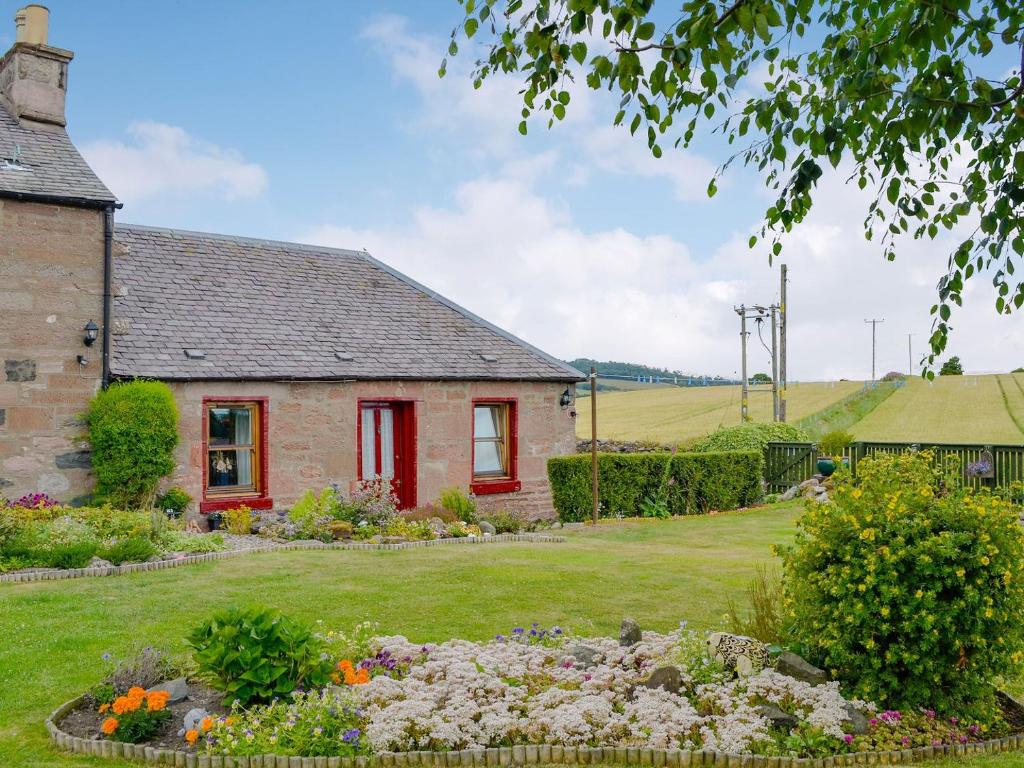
[(521, 755), (117, 570)]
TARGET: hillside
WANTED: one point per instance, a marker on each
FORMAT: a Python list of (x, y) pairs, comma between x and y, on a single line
[(951, 409), (677, 414)]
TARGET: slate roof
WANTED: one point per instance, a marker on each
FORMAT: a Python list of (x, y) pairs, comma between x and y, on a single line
[(258, 309), (49, 165)]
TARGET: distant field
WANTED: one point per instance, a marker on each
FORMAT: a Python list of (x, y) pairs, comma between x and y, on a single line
[(676, 414), (950, 409)]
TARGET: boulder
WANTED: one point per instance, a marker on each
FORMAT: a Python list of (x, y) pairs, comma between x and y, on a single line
[(667, 678), (99, 562), (486, 528), (177, 689), (438, 526), (584, 656), (791, 665), (192, 720), (822, 498), (778, 718), (629, 633), (790, 494), (858, 720), (808, 483)]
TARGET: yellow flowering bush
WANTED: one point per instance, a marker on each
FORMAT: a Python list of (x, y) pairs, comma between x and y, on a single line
[(909, 587)]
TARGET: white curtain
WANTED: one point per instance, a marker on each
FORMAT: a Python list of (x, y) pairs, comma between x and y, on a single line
[(243, 436), (369, 446), (387, 443)]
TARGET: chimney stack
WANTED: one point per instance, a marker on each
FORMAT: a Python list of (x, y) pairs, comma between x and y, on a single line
[(34, 74)]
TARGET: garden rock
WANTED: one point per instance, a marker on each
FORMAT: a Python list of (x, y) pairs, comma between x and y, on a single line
[(177, 689), (438, 526), (99, 562), (584, 656), (629, 633), (778, 718), (793, 666), (790, 494), (667, 678), (822, 498), (487, 528), (858, 720), (192, 720), (154, 558), (744, 655)]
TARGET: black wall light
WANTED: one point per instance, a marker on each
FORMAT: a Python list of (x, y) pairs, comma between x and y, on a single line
[(566, 399), (92, 331)]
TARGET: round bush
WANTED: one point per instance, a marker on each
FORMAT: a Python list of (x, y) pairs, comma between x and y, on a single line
[(750, 437), (133, 428), (910, 588)]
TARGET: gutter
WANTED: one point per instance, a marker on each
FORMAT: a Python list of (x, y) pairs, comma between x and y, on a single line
[(108, 277), (76, 202)]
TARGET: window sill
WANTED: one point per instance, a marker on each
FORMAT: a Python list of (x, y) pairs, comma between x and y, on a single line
[(222, 503), (484, 487)]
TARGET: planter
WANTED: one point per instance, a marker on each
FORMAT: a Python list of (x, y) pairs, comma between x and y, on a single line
[(826, 466), (214, 520)]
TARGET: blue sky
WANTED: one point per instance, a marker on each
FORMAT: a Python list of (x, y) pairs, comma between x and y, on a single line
[(325, 122)]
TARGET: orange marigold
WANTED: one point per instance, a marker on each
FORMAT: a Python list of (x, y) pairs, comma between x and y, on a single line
[(109, 725), (135, 692), (229, 720), (157, 700), (104, 708), (344, 665), (206, 723), (123, 705), (362, 676), (191, 736)]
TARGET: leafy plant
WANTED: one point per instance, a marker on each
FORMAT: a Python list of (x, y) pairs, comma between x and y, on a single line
[(132, 550), (765, 619), (750, 437), (313, 513), (909, 587), (505, 520), (256, 654), (76, 555), (192, 543), (459, 504), (176, 499), (428, 512), (834, 443), (952, 367), (135, 717), (133, 428), (238, 520), (914, 101)]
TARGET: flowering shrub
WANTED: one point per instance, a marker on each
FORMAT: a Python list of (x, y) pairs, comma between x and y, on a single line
[(257, 654), (238, 520), (136, 716), (535, 635), (35, 501), (910, 588), (894, 729)]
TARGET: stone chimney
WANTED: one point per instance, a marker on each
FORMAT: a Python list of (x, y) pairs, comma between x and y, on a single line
[(33, 74)]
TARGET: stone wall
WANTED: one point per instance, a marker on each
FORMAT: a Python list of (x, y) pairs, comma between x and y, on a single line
[(51, 285), (313, 427)]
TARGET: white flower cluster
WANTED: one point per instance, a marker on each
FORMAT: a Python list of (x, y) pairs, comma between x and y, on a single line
[(468, 695)]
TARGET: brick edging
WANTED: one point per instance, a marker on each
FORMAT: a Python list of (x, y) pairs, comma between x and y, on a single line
[(117, 570), (520, 755)]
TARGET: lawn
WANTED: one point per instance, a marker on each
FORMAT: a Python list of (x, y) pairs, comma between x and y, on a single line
[(54, 633), (950, 409), (675, 414)]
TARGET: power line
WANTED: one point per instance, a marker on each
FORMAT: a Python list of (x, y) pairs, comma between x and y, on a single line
[(874, 325)]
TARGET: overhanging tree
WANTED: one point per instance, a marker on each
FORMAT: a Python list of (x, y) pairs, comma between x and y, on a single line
[(921, 100)]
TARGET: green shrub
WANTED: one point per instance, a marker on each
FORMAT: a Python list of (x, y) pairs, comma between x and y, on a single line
[(459, 504), (238, 521), (133, 428), (75, 555), (766, 618), (256, 654), (137, 549), (313, 513), (505, 521), (750, 437), (192, 543), (629, 484), (834, 443), (107, 522), (909, 588), (176, 499)]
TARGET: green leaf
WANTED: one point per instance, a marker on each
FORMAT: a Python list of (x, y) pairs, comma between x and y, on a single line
[(471, 26), (579, 52)]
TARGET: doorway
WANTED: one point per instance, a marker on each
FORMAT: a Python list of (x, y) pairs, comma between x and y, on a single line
[(387, 446)]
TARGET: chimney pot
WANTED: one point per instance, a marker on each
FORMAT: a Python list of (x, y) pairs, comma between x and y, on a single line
[(32, 24)]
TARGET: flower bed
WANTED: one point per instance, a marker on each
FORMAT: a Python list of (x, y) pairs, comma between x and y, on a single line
[(539, 696)]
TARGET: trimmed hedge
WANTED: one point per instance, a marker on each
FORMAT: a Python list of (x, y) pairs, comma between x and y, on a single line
[(698, 482)]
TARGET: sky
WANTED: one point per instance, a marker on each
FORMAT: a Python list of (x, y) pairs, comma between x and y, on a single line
[(325, 122)]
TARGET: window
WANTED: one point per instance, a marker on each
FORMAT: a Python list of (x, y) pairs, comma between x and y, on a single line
[(235, 454), (494, 447)]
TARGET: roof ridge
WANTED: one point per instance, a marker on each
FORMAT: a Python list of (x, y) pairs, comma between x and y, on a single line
[(365, 255)]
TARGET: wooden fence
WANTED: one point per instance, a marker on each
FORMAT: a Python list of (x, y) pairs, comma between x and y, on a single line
[(789, 463)]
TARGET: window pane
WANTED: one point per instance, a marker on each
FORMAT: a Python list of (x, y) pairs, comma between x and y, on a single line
[(488, 421), (369, 446), (230, 468), (487, 458), (230, 426), (387, 444)]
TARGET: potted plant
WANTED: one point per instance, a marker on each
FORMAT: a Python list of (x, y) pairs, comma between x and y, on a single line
[(174, 502), (215, 520), (831, 447)]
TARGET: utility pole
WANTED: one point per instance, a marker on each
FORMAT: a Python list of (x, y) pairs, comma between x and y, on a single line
[(593, 440), (744, 412), (775, 365), (910, 357), (874, 326), (783, 313)]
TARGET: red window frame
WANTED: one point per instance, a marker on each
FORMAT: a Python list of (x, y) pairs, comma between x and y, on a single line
[(406, 417), (261, 499), (508, 484)]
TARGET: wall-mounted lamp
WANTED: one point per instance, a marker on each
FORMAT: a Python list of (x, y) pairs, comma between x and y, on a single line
[(92, 331), (566, 399)]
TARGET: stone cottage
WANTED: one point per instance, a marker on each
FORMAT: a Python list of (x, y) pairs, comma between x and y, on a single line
[(292, 365)]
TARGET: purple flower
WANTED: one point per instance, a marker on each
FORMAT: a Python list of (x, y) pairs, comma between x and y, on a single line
[(905, 740), (954, 720), (517, 631), (848, 738), (873, 721), (106, 656), (350, 736)]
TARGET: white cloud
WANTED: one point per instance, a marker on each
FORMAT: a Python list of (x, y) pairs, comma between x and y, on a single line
[(159, 159)]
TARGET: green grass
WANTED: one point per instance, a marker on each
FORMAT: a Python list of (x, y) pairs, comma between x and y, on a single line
[(678, 414), (52, 634), (847, 412), (950, 409)]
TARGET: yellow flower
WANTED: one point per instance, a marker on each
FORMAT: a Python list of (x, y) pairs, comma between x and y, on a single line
[(984, 560), (960, 573), (919, 594), (885, 610), (856, 493)]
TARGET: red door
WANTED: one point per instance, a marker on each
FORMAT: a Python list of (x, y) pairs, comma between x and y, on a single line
[(387, 447)]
